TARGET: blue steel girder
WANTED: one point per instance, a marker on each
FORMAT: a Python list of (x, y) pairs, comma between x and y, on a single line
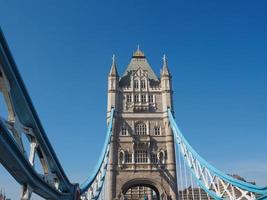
[(213, 181), (27, 115), (19, 167), (94, 185)]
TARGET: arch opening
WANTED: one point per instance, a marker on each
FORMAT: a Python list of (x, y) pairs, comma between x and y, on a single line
[(140, 190)]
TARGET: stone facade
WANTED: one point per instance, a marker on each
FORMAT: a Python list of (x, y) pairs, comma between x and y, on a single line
[(142, 146)]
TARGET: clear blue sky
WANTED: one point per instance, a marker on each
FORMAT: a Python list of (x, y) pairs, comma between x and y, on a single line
[(217, 56)]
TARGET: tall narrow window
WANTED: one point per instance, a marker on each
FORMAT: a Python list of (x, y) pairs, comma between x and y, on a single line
[(150, 98), (136, 84), (161, 158), (143, 84), (154, 158), (156, 130), (123, 131), (121, 156), (143, 98), (140, 128), (128, 98), (136, 98), (128, 157)]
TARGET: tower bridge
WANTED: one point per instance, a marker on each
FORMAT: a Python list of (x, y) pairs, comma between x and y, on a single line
[(144, 156), (142, 146)]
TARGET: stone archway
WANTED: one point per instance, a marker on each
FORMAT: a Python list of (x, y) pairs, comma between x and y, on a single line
[(147, 183)]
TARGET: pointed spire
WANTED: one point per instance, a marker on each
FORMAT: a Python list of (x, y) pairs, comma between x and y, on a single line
[(165, 69), (113, 69), (138, 53)]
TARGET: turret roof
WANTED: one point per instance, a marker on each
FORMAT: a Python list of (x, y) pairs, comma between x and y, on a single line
[(113, 70), (139, 61), (165, 69)]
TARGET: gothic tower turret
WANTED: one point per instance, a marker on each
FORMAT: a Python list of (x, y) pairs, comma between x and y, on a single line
[(142, 160), (166, 85), (113, 83), (166, 92), (113, 89)]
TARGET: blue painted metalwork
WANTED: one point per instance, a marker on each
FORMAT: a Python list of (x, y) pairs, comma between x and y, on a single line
[(87, 184), (209, 192), (101, 186), (14, 160), (27, 115), (240, 184), (19, 167)]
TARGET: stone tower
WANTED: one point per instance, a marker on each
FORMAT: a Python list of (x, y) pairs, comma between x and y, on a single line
[(142, 154)]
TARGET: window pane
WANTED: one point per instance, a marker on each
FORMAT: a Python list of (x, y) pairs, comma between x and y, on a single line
[(123, 131), (141, 156), (154, 158), (128, 157), (136, 98), (150, 98), (129, 98), (143, 84), (143, 98), (140, 129), (157, 130), (136, 85)]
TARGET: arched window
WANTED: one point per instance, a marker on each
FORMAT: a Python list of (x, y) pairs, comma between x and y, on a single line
[(161, 157), (121, 157), (141, 153), (141, 156), (140, 128), (136, 84), (143, 84)]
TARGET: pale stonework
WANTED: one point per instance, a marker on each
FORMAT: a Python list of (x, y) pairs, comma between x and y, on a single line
[(142, 147)]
